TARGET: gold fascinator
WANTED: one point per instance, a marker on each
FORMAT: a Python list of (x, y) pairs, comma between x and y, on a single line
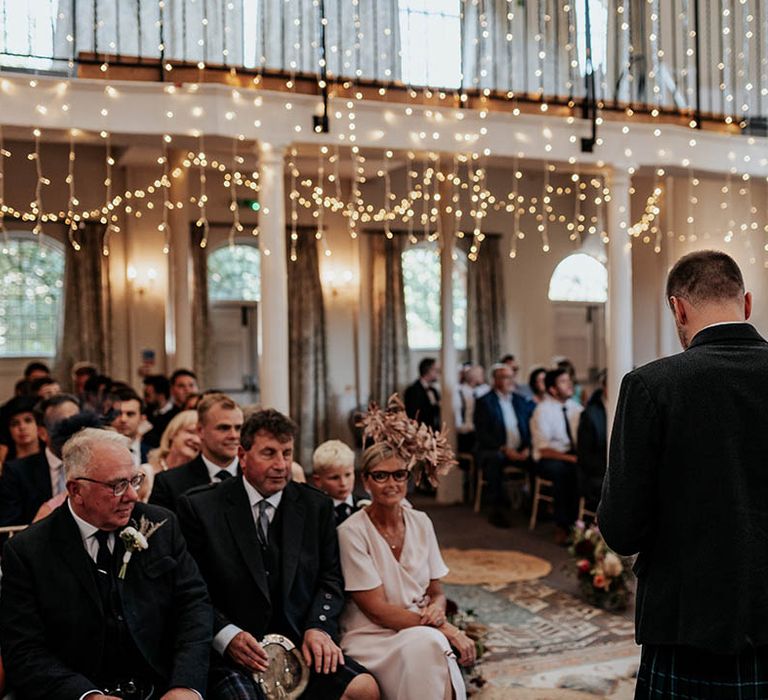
[(424, 451)]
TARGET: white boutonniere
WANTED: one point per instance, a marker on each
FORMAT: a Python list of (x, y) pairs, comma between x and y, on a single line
[(136, 539)]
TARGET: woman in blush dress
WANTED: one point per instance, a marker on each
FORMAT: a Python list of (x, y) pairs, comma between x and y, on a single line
[(394, 623)]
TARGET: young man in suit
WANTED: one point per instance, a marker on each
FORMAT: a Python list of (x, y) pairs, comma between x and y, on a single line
[(127, 416), (267, 549), (29, 482), (422, 399), (687, 489), (219, 420), (78, 620), (502, 429)]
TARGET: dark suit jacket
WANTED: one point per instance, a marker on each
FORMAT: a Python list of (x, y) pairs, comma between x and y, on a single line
[(687, 488), (170, 485), (419, 407), (52, 628), (24, 487), (218, 524), (490, 431), (592, 448), (159, 423)]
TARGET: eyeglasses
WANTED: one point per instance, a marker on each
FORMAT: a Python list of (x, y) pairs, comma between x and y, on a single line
[(399, 475), (118, 487)]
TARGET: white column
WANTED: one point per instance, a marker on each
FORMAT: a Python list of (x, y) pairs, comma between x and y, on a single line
[(619, 285), (450, 488), (667, 337), (273, 370)]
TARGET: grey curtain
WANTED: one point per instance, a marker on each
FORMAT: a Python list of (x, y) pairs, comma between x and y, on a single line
[(390, 368), (307, 354), (200, 311), (86, 331), (485, 304)]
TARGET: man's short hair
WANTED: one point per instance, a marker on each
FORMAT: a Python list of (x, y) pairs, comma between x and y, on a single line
[(705, 276), (40, 382), (507, 358), (269, 421), (182, 373), (36, 366), (332, 453), (125, 394), (426, 364), (552, 375), (215, 399), (84, 367), (159, 383), (495, 368), (52, 402), (78, 450)]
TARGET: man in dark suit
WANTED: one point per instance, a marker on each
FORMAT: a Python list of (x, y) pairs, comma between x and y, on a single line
[(219, 420), (29, 482), (592, 446), (78, 619), (159, 407), (502, 429), (126, 415), (687, 488), (422, 399), (268, 551)]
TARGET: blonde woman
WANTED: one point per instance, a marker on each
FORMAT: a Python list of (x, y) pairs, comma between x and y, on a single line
[(179, 444)]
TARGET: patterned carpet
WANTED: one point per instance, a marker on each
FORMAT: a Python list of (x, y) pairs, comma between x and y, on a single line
[(543, 643)]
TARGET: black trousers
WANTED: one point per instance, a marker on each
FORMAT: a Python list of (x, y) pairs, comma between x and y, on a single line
[(565, 489)]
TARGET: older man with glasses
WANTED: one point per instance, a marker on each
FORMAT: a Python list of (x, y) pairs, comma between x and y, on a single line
[(102, 599)]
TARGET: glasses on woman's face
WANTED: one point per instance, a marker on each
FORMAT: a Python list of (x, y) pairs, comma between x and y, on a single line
[(118, 487), (399, 475)]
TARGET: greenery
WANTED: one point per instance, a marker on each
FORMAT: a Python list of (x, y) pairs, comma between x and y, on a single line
[(234, 274), (31, 290), (421, 280)]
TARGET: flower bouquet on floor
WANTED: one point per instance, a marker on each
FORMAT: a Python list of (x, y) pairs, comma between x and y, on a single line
[(602, 574)]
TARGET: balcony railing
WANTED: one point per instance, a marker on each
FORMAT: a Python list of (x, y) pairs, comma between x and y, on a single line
[(701, 58)]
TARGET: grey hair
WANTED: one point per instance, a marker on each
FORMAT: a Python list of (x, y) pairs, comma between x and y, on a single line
[(376, 454), (495, 368), (78, 450)]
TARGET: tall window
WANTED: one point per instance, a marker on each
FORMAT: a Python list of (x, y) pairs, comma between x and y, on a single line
[(421, 279), (31, 291), (430, 32), (28, 28), (598, 19), (234, 273), (579, 277)]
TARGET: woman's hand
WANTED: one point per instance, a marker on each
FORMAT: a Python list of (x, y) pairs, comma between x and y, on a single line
[(433, 615), (461, 643)]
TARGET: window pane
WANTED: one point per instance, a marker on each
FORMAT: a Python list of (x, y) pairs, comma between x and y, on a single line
[(31, 284), (421, 280), (579, 277), (234, 274)]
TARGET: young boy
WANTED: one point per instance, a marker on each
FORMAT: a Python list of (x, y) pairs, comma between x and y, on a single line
[(333, 465)]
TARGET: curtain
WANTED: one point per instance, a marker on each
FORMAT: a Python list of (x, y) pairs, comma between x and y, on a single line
[(86, 330), (200, 310), (389, 337), (307, 354), (486, 314)]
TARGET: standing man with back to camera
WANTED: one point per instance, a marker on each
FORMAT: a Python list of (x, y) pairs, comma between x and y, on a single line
[(687, 489)]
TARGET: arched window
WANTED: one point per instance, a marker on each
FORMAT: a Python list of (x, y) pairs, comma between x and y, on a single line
[(421, 281), (31, 291), (234, 273), (579, 277)]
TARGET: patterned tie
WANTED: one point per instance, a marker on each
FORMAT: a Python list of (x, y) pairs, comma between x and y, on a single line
[(223, 475), (262, 529)]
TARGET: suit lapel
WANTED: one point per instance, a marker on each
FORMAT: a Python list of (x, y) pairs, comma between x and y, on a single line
[(240, 520), (291, 536), (71, 550)]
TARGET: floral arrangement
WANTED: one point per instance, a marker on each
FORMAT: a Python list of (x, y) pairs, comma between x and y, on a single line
[(466, 621), (602, 573), (135, 538), (423, 450)]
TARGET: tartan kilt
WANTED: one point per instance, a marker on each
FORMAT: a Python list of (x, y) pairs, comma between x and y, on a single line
[(684, 673)]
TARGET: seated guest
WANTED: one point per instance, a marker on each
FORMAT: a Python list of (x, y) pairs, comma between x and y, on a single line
[(219, 420), (422, 399), (464, 407), (179, 444), (45, 387), (395, 621), (554, 429), (268, 551), (333, 472), (81, 373), (78, 620), (514, 366), (95, 392), (20, 434), (35, 370), (592, 445), (536, 384), (127, 414), (502, 426), (159, 408), (29, 482)]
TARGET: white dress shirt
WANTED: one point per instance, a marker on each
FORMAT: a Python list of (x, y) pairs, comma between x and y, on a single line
[(548, 426), (349, 500), (56, 469), (464, 410), (510, 421), (227, 634), (214, 469)]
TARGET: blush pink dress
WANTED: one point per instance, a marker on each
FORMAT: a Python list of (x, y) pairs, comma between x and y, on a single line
[(413, 663)]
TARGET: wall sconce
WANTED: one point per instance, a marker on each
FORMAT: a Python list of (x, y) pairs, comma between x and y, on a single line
[(339, 282), (141, 280)]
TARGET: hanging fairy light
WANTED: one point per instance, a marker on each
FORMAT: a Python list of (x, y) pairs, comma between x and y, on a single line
[(237, 227), (72, 201), (515, 211), (108, 217), (3, 209), (202, 201), (294, 195), (384, 172), (37, 205), (164, 226)]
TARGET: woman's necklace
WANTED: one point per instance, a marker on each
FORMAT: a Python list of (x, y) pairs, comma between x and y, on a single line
[(395, 540)]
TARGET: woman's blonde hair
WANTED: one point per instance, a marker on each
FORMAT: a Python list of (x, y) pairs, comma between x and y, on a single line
[(185, 419), (376, 454)]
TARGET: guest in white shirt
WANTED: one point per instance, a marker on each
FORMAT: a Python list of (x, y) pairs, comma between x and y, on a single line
[(554, 427), (333, 472), (464, 406)]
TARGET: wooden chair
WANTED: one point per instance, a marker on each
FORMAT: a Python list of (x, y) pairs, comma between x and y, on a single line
[(583, 510), (11, 530), (509, 470), (539, 496)]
